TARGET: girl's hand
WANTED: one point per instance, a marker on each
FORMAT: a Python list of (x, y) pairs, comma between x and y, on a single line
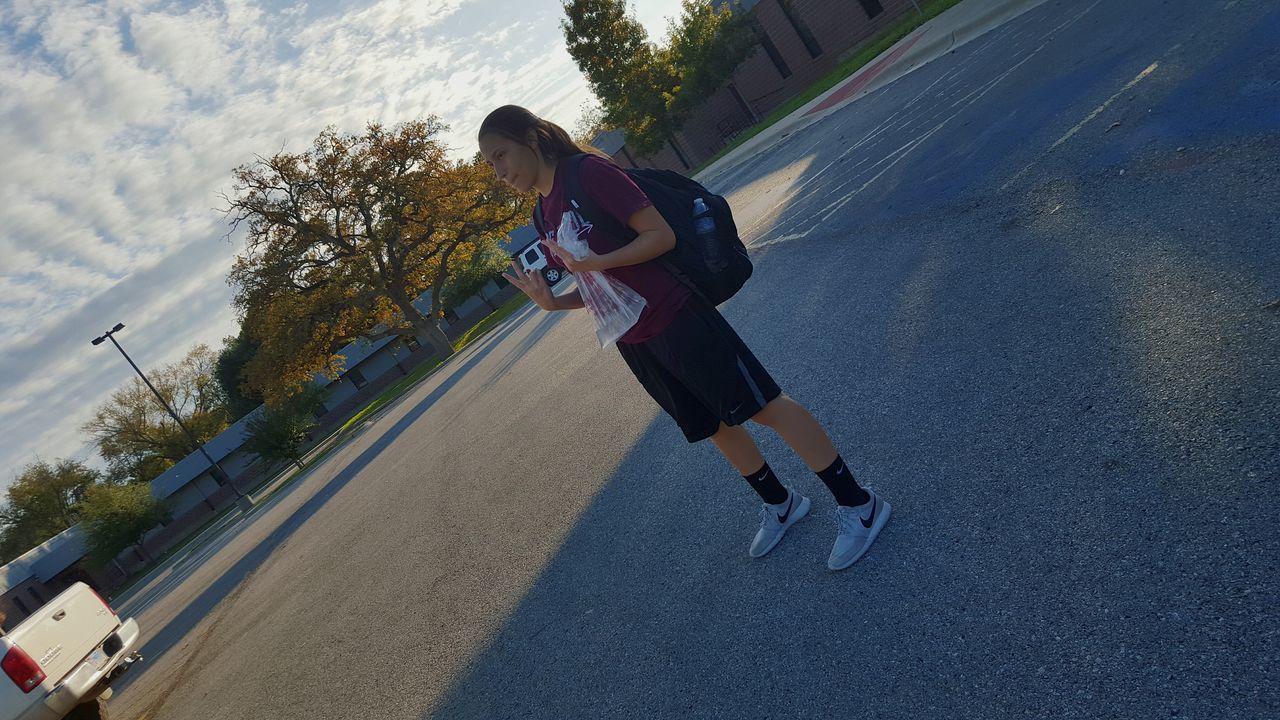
[(591, 262), (531, 283)]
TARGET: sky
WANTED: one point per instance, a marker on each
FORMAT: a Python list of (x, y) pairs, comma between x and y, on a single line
[(120, 124)]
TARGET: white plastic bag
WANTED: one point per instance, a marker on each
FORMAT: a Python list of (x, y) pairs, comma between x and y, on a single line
[(615, 307)]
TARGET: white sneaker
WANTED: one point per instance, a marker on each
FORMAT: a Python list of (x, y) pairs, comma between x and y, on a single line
[(859, 527), (775, 519)]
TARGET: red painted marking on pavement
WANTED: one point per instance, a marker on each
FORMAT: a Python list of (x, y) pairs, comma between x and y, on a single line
[(853, 86)]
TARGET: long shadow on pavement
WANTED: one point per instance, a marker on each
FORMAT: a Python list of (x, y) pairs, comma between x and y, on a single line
[(1044, 554), (1067, 392), (176, 630)]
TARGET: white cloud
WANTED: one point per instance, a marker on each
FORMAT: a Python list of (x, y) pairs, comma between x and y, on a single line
[(190, 49), (120, 123)]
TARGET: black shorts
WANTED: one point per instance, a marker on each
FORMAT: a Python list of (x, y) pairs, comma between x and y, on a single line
[(700, 372)]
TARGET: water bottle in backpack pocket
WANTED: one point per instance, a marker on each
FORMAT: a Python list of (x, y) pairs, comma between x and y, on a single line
[(704, 227)]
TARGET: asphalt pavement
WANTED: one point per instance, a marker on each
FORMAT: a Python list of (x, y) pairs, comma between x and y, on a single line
[(1032, 287)]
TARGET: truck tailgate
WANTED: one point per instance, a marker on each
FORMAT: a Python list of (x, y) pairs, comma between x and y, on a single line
[(66, 629)]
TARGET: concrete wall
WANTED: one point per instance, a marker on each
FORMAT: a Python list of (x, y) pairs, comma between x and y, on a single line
[(23, 599), (339, 392), (195, 492), (382, 361), (481, 301)]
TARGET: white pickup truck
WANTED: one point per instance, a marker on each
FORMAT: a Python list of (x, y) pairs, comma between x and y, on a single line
[(60, 660)]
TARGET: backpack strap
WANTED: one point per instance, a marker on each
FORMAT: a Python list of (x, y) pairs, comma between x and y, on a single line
[(590, 211), (539, 223)]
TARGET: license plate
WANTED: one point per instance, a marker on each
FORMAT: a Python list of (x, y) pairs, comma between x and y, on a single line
[(99, 658)]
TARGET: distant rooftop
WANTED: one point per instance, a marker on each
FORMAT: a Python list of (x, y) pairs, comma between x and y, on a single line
[(609, 141), (45, 560)]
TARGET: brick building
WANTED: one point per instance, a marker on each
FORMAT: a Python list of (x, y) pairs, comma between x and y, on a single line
[(800, 42)]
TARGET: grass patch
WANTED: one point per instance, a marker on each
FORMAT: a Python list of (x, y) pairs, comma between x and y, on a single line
[(391, 393), (502, 313), (422, 371), (842, 71)]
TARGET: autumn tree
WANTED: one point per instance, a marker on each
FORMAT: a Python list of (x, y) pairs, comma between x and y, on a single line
[(115, 517), (343, 239), (137, 436), (43, 501)]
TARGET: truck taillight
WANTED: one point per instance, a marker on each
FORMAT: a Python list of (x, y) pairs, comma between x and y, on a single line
[(22, 670), (101, 600)]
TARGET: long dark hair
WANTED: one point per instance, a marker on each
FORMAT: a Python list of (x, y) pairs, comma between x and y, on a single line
[(514, 123)]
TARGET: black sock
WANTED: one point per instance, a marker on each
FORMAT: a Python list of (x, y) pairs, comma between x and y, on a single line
[(839, 480), (767, 485)]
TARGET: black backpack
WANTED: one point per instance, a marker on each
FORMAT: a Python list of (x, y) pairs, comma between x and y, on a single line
[(673, 196)]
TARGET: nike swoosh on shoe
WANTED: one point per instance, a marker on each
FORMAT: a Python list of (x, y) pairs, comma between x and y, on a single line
[(791, 501)]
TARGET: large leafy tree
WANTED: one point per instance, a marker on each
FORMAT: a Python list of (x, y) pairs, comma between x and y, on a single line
[(279, 432), (137, 436), (591, 122), (469, 277), (237, 351), (631, 76), (115, 517), (343, 238), (43, 501), (706, 44), (646, 89)]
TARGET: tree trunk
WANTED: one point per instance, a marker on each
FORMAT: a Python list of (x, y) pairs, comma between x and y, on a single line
[(428, 332), (425, 329)]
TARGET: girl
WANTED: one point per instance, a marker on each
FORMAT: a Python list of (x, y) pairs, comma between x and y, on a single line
[(681, 350)]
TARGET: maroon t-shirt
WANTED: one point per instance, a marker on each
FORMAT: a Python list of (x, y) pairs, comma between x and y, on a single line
[(615, 193)]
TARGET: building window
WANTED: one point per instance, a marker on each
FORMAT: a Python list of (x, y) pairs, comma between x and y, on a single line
[(412, 343), (772, 51), (871, 7), (798, 24), (356, 378)]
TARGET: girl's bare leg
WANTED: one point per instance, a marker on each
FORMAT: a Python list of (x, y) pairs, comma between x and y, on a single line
[(738, 447), (799, 429)]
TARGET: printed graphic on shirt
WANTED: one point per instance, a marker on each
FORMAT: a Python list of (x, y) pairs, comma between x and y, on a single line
[(572, 226), (572, 234)]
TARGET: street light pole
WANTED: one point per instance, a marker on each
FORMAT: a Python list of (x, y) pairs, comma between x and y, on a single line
[(215, 469)]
